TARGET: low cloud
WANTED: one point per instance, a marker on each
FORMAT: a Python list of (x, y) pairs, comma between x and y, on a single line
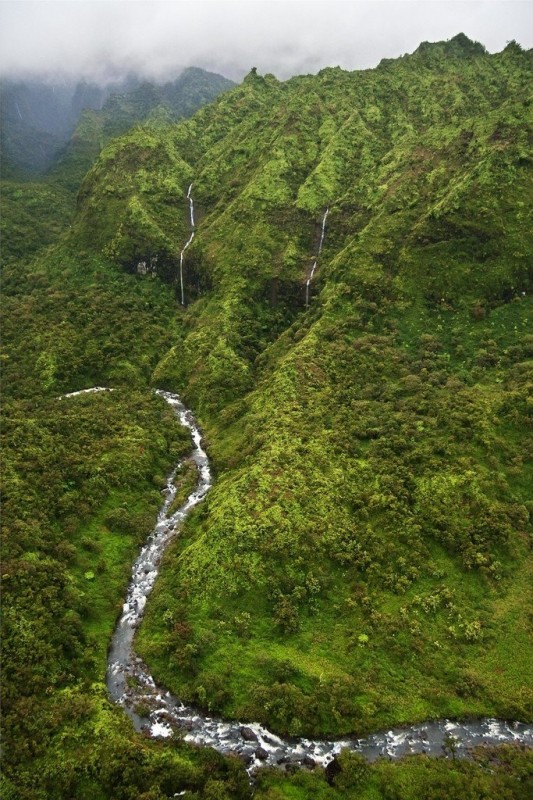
[(103, 40)]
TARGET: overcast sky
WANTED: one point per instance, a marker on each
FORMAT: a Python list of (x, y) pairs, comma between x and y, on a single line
[(102, 39)]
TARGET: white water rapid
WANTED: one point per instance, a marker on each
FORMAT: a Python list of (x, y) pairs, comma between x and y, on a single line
[(313, 268), (189, 240), (155, 709)]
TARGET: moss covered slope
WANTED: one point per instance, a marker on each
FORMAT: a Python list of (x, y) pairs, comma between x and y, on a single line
[(363, 558)]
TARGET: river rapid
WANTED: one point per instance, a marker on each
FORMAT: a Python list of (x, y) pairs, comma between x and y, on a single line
[(153, 708)]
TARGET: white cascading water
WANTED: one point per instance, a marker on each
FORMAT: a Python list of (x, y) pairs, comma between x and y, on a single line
[(313, 268), (191, 205), (153, 708), (189, 240)]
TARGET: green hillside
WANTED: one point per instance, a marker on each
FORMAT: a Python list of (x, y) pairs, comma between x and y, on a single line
[(47, 148), (150, 103), (368, 529), (363, 559)]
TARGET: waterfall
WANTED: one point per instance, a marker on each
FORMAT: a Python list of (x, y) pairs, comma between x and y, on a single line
[(323, 231), (313, 268), (189, 240), (191, 205), (307, 284)]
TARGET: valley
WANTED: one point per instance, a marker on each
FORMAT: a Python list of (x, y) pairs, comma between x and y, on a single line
[(337, 280)]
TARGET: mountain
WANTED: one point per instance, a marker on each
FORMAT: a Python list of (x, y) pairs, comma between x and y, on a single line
[(40, 119), (357, 441), (147, 103), (51, 135), (356, 342)]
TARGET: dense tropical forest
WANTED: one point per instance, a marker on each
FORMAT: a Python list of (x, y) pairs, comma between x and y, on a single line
[(354, 336), (51, 135)]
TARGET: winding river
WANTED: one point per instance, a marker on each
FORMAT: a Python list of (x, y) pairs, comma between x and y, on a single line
[(151, 707)]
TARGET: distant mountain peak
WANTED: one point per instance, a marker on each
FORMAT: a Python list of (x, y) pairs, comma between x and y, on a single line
[(459, 46)]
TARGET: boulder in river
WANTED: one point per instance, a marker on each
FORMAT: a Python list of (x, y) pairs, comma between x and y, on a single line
[(332, 770), (261, 753), (292, 768), (248, 735)]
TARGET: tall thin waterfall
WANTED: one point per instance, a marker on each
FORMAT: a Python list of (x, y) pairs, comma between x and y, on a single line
[(313, 269), (189, 240), (191, 205)]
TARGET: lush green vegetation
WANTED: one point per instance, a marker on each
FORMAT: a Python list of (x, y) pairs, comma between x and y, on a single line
[(33, 215), (82, 481), (368, 532), (364, 556), (75, 321), (506, 772)]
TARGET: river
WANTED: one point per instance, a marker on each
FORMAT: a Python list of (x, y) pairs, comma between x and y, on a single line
[(151, 707)]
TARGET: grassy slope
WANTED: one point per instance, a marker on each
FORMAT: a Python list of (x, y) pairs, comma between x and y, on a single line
[(413, 778), (368, 533)]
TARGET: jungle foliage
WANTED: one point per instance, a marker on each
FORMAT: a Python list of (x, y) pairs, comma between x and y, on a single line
[(369, 527), (364, 558), (49, 139)]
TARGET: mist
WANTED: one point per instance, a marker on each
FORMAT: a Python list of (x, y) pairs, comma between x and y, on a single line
[(102, 41)]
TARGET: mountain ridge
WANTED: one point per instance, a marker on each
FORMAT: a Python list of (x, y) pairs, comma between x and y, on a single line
[(39, 118)]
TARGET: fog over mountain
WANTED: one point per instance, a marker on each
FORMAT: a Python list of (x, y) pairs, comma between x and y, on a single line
[(104, 40)]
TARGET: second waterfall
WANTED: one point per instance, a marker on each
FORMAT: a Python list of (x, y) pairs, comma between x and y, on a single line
[(313, 268), (187, 243)]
